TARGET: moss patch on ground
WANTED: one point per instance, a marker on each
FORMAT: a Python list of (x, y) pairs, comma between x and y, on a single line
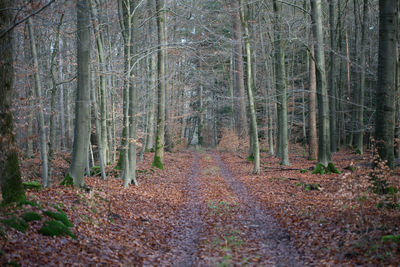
[(30, 216), (55, 228), (59, 216), (16, 223)]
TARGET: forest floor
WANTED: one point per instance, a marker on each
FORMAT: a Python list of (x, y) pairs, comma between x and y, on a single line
[(208, 209)]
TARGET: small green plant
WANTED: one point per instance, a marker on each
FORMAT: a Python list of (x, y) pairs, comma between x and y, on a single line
[(30, 216), (303, 170), (67, 181), (16, 223), (59, 216), (28, 202), (95, 171), (321, 169), (32, 185), (55, 228)]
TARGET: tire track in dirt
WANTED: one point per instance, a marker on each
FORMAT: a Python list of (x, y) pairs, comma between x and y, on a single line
[(276, 246), (187, 236)]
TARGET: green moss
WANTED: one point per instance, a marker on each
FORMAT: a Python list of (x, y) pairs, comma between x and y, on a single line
[(95, 171), (357, 152), (308, 187), (32, 185), (303, 170), (30, 216), (28, 202), (12, 188), (331, 168), (250, 158), (59, 216), (16, 223), (67, 180), (12, 263), (393, 238), (158, 163), (319, 169), (55, 228)]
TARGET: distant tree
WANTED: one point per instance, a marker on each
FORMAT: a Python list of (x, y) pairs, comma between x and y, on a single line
[(385, 91), (10, 175)]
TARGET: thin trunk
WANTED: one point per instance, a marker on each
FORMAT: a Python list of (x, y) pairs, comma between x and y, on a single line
[(159, 152), (332, 77), (358, 138), (280, 81), (255, 153), (53, 72), (312, 104), (40, 114)]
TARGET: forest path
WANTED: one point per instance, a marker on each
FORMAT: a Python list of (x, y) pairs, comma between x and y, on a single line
[(222, 225)]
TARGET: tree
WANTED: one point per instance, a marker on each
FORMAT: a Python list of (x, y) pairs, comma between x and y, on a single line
[(10, 175), (241, 121), (40, 114), (385, 90), (82, 105), (162, 40), (332, 77), (280, 83), (255, 148), (324, 150)]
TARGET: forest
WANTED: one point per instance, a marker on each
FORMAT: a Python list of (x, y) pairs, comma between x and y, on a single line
[(199, 133)]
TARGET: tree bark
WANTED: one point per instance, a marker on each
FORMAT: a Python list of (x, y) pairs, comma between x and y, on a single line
[(40, 115), (10, 175), (255, 150), (241, 121), (82, 105), (280, 83), (332, 77), (324, 151), (312, 104), (159, 152), (385, 91)]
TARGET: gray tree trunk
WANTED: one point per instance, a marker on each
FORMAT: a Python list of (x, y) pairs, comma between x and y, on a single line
[(358, 138), (255, 149), (40, 115), (280, 83), (82, 105), (324, 150), (385, 91), (332, 77), (312, 107), (241, 120)]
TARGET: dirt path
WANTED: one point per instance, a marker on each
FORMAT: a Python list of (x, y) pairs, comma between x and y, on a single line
[(186, 237), (275, 245)]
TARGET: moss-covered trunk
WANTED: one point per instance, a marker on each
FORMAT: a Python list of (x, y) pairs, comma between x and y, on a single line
[(10, 175)]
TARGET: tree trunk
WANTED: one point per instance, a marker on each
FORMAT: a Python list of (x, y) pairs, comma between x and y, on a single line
[(255, 149), (40, 115), (280, 83), (324, 151), (159, 153), (312, 104), (10, 176), (385, 91), (53, 72), (241, 121), (332, 77), (358, 138), (82, 105)]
